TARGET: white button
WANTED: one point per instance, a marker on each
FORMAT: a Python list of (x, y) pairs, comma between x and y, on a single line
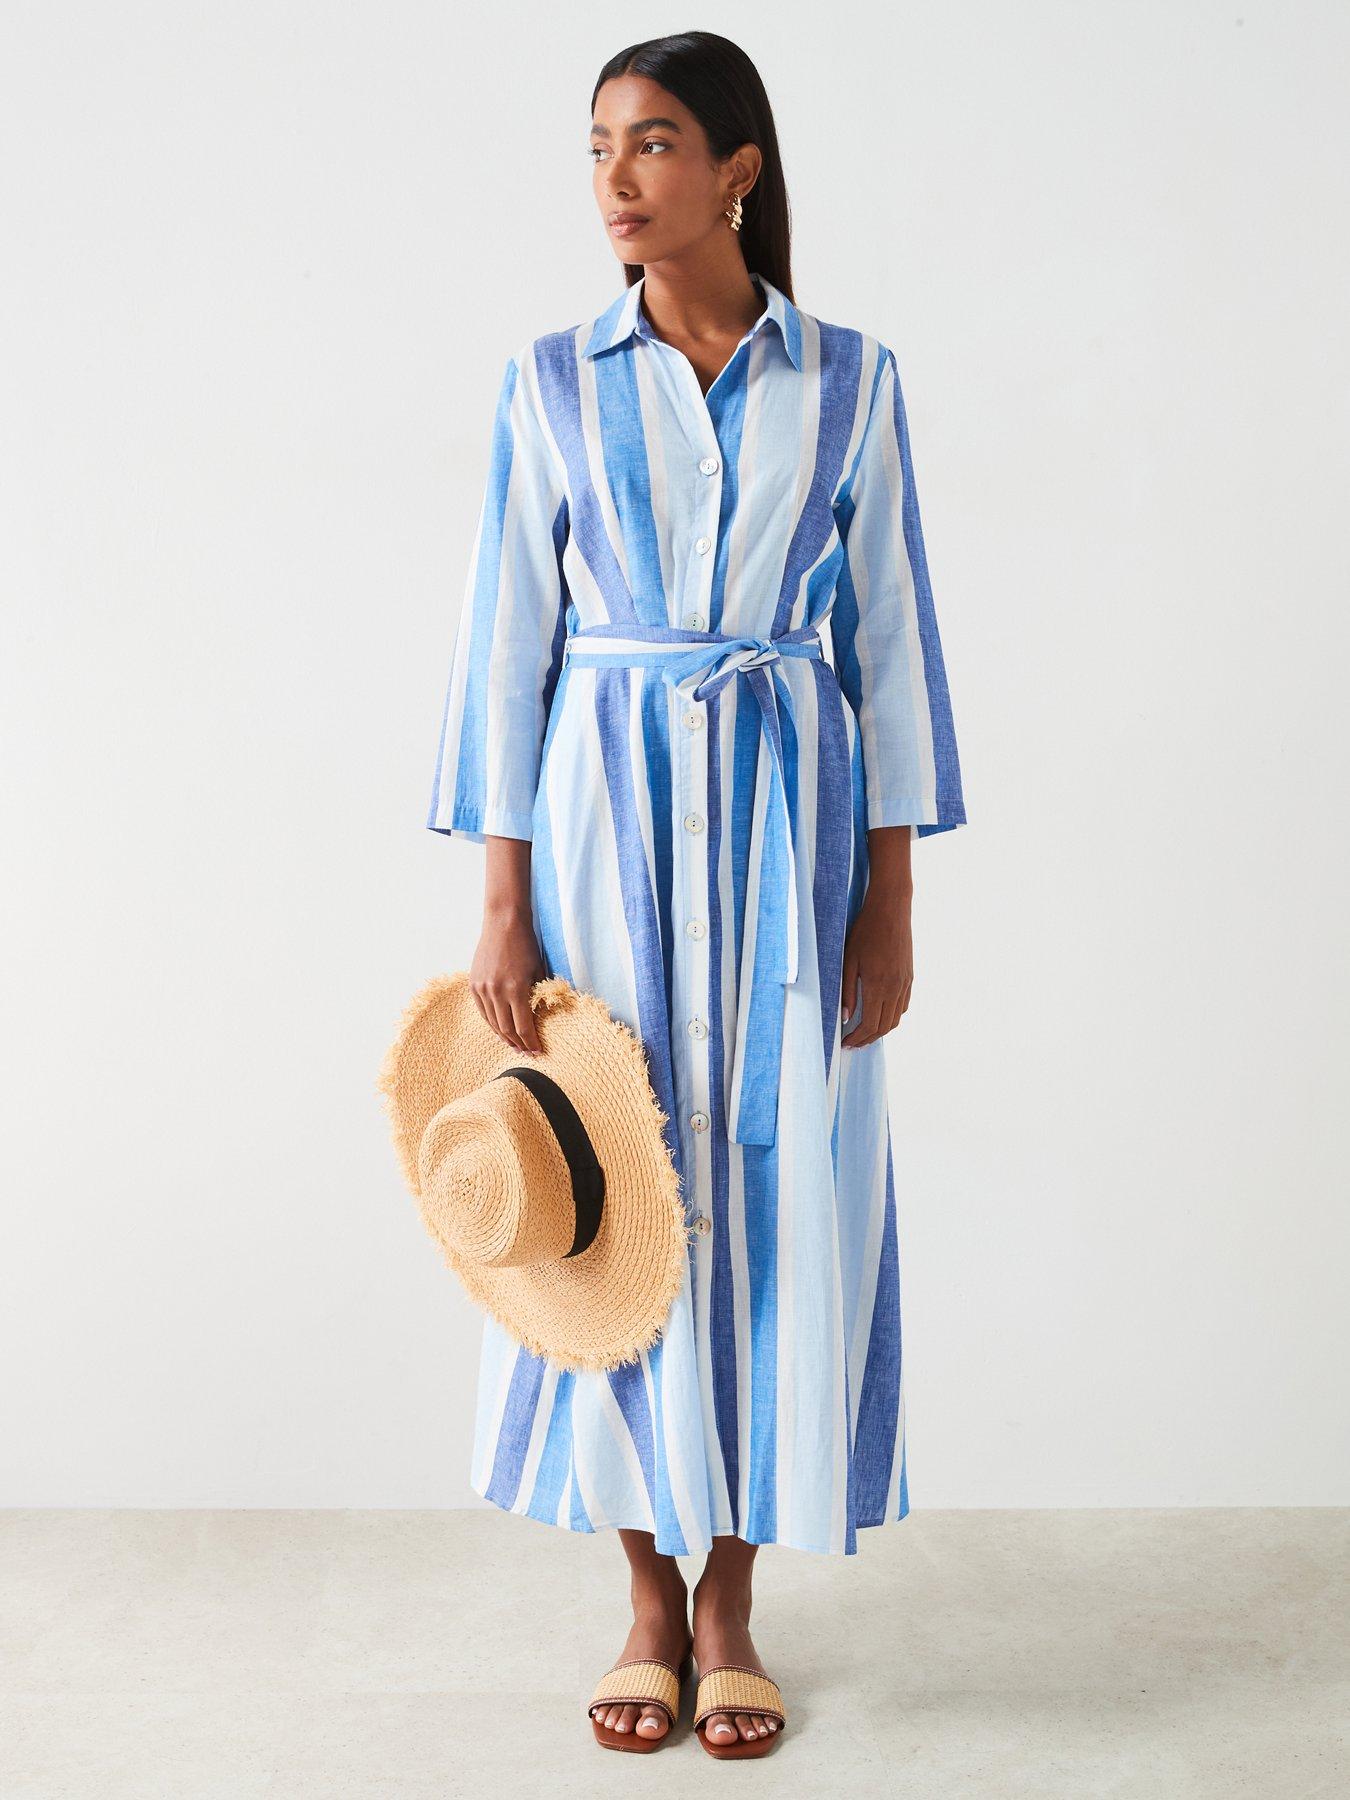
[(699, 1121), (703, 1224), (702, 544), (697, 1028), (696, 929), (693, 720), (693, 821), (709, 465), (694, 621)]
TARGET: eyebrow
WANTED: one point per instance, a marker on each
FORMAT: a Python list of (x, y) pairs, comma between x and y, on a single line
[(636, 128)]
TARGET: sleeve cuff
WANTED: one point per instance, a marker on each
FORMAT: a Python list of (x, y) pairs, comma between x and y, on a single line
[(477, 826), (918, 815)]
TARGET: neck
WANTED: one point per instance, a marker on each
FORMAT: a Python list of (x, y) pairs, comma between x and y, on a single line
[(693, 307)]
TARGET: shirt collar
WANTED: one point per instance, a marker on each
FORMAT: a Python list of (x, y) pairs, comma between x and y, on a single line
[(623, 318)]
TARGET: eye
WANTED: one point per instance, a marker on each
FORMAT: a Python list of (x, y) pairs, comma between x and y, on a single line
[(594, 150)]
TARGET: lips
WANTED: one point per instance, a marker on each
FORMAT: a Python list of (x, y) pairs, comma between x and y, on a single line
[(625, 224)]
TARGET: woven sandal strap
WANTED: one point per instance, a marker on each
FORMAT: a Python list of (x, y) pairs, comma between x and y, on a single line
[(640, 1683), (732, 1689)]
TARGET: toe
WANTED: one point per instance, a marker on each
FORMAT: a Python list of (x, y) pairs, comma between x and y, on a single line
[(652, 1722), (748, 1727), (720, 1729)]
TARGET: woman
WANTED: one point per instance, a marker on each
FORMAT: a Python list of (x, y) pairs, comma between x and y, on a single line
[(692, 811)]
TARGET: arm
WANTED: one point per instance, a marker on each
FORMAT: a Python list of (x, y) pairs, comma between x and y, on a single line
[(879, 947), (507, 962), (889, 656), (507, 657)]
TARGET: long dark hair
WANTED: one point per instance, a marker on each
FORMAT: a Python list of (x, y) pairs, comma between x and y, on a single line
[(720, 85)]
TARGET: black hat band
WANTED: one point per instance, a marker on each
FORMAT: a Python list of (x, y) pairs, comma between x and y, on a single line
[(588, 1178)]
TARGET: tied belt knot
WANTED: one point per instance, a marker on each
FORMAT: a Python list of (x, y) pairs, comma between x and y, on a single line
[(698, 665)]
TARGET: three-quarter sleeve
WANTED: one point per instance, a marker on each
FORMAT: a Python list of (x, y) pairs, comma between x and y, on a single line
[(508, 644), (884, 630)]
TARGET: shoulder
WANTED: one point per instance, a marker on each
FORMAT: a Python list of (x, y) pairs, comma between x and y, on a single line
[(848, 349), (534, 373), (858, 372), (550, 348)]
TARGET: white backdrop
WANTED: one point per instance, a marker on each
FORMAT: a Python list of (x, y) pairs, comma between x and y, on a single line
[(264, 265)]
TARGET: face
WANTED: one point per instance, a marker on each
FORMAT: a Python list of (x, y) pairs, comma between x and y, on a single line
[(652, 161)]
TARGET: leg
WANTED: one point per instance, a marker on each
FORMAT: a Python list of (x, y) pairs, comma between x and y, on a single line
[(660, 1627), (722, 1630)]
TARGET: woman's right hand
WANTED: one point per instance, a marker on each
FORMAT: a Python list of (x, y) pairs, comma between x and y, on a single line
[(507, 962)]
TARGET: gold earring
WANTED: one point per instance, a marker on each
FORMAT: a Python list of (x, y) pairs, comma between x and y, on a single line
[(735, 213)]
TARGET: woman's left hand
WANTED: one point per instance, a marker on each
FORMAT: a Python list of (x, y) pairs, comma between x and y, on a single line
[(879, 951)]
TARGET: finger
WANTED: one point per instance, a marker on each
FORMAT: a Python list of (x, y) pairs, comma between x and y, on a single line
[(848, 988), (501, 1020), (869, 1025), (527, 1030), (865, 1031), (849, 1011), (483, 1001), (876, 1014)]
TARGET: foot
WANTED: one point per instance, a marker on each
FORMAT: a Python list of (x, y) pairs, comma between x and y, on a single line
[(660, 1632), (722, 1635)]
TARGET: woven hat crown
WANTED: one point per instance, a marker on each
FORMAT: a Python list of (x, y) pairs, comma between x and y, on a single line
[(495, 1178)]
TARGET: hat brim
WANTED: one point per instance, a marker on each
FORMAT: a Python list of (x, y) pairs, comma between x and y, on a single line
[(604, 1307)]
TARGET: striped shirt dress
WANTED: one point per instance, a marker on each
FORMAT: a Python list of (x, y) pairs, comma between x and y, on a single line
[(696, 661)]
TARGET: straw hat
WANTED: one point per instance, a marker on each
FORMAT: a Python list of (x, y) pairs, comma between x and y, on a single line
[(545, 1179)]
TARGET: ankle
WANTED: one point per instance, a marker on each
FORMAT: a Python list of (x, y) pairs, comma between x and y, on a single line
[(658, 1594), (721, 1596)]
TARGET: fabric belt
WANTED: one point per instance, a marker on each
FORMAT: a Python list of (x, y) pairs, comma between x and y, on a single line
[(697, 665)]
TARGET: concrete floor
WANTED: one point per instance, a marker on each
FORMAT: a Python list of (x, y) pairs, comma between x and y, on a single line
[(403, 1655)]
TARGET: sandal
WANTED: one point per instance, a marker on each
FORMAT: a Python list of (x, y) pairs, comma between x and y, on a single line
[(731, 1688), (645, 1681)]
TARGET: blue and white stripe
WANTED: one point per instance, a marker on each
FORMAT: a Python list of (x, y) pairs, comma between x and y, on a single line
[(639, 685)]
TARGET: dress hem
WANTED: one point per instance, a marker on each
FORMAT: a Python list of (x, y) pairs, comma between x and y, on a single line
[(698, 1549)]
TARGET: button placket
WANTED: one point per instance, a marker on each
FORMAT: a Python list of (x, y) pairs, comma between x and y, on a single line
[(692, 799), (693, 721), (707, 507)]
